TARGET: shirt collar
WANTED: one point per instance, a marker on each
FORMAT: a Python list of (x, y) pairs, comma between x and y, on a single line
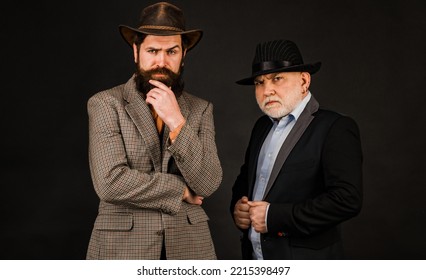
[(299, 109)]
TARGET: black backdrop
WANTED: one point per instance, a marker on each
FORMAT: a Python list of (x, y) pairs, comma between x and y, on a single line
[(56, 55)]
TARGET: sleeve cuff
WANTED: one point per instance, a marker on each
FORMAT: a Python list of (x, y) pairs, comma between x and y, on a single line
[(174, 134), (266, 217)]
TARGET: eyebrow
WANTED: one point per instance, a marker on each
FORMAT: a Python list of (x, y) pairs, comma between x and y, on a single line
[(272, 75), (266, 76), (177, 46), (158, 49)]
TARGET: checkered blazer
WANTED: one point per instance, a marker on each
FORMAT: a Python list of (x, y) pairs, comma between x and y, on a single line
[(140, 181)]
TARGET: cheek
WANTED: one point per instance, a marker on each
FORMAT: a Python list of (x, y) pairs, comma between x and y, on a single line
[(175, 64), (259, 99), (259, 95), (141, 61), (146, 61)]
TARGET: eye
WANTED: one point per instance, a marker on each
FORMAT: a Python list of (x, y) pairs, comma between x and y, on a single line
[(277, 78), (152, 51), (172, 52), (258, 83)]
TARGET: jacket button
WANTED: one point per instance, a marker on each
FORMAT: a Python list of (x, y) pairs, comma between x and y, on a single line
[(160, 232)]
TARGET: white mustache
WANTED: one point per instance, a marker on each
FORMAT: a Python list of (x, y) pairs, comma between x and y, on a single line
[(269, 99)]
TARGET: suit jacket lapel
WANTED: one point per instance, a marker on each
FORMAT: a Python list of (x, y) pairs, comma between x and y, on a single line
[(141, 115), (296, 132), (254, 154)]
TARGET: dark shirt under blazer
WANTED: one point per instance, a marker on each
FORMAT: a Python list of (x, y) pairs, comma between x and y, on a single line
[(140, 181), (315, 185)]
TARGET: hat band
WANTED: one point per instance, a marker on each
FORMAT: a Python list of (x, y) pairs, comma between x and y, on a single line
[(161, 27), (270, 65)]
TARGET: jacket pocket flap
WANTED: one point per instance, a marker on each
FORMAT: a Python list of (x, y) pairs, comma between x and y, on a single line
[(114, 222), (196, 214)]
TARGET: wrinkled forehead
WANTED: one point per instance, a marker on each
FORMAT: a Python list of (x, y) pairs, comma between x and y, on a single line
[(270, 76), (162, 41)]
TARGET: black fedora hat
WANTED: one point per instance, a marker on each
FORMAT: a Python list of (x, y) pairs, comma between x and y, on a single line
[(278, 56), (161, 19)]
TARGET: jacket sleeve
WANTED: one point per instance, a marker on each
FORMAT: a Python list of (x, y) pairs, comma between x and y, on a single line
[(341, 168), (195, 154), (242, 183), (240, 187), (114, 181)]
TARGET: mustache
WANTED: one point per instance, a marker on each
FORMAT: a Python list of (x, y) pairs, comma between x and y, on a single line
[(270, 99), (170, 76), (170, 79)]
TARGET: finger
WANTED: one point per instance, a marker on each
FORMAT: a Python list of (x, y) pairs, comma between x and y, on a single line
[(151, 96), (257, 203), (242, 207), (244, 199), (242, 215), (155, 93), (196, 201), (243, 220), (150, 101), (242, 226), (243, 223)]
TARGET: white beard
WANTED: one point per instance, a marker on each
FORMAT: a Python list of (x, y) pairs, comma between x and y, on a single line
[(282, 106)]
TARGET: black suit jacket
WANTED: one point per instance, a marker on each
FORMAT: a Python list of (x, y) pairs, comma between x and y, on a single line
[(315, 184)]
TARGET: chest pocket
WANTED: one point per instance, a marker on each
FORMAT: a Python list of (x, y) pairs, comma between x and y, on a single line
[(299, 166)]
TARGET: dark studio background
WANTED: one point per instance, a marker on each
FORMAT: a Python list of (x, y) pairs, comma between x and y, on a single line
[(56, 55)]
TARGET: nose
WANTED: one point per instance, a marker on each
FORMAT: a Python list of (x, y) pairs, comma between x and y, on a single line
[(160, 60), (269, 89)]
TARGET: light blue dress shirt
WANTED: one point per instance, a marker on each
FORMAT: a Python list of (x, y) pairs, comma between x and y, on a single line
[(270, 148)]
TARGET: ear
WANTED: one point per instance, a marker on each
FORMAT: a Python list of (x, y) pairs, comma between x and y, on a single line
[(305, 80), (182, 63), (135, 52)]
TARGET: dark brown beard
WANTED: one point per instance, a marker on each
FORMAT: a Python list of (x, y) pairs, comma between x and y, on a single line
[(171, 79)]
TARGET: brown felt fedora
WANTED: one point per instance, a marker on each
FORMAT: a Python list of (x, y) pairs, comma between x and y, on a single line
[(278, 56), (161, 19)]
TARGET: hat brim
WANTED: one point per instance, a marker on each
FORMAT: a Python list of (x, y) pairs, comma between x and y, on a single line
[(128, 33), (310, 68)]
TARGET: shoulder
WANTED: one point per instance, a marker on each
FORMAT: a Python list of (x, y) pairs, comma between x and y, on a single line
[(262, 121), (194, 100), (196, 104), (113, 92), (113, 95), (334, 120), (330, 115), (262, 124)]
